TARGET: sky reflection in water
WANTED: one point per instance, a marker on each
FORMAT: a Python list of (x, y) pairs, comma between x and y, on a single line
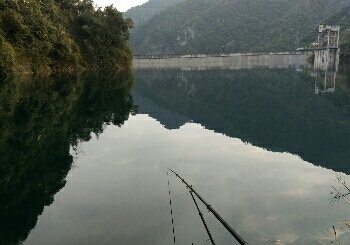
[(117, 192)]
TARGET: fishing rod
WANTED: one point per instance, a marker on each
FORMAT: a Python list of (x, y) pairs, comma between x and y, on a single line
[(202, 218), (238, 238)]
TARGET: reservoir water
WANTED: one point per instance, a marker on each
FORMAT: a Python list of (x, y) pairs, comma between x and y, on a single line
[(84, 159)]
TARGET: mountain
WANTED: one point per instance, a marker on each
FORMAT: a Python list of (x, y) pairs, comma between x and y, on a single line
[(143, 13), (213, 26)]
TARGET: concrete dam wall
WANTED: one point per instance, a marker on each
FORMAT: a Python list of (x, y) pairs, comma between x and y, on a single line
[(225, 61)]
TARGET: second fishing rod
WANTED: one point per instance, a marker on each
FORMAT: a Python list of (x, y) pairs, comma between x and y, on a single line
[(238, 238)]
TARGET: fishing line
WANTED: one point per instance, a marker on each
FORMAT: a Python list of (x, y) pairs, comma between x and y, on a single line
[(202, 218), (171, 209)]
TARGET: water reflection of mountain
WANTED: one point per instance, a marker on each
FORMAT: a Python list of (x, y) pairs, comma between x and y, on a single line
[(169, 119), (274, 109), (40, 122)]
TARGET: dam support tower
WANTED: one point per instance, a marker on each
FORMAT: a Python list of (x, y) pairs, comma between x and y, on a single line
[(326, 58)]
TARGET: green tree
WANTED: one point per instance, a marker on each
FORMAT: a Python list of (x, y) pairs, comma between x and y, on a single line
[(63, 35)]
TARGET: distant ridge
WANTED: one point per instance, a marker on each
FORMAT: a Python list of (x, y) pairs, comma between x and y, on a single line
[(214, 26), (343, 19), (145, 12)]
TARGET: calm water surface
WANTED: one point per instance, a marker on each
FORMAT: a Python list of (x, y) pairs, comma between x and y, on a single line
[(84, 160)]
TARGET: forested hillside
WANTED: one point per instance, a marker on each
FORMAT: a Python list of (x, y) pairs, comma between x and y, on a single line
[(61, 35), (212, 26), (142, 14), (343, 19)]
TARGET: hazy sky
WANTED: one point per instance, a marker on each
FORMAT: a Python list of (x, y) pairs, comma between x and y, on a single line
[(121, 5)]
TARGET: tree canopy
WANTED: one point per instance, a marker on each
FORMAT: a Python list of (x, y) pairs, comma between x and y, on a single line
[(61, 35)]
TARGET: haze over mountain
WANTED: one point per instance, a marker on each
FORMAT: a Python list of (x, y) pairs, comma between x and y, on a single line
[(213, 26), (143, 13)]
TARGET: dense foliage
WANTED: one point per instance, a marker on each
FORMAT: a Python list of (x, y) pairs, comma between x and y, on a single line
[(41, 122), (61, 35), (200, 26)]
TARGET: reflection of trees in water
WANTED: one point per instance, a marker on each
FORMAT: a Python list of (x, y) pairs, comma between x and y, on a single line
[(273, 109), (40, 121), (338, 233), (340, 191)]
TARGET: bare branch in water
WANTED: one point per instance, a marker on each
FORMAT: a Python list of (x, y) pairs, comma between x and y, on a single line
[(341, 191)]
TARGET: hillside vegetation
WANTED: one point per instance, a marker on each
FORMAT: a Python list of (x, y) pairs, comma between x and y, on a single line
[(61, 35), (343, 19), (145, 12), (213, 26)]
